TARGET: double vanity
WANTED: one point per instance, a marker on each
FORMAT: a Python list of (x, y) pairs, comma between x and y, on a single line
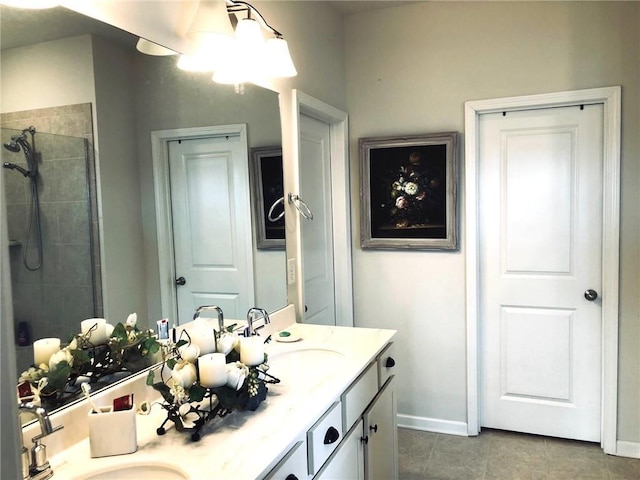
[(332, 416)]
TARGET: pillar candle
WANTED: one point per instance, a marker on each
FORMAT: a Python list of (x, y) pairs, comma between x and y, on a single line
[(43, 349), (203, 338), (213, 370), (252, 351), (97, 330)]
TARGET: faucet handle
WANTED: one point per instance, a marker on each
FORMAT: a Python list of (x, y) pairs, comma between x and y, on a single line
[(39, 437)]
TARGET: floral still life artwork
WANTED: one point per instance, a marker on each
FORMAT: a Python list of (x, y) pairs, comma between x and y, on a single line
[(408, 192)]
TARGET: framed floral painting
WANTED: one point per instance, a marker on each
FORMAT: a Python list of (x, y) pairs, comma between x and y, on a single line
[(267, 197), (408, 192)]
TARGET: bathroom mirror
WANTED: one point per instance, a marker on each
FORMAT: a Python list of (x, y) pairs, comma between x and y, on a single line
[(129, 96)]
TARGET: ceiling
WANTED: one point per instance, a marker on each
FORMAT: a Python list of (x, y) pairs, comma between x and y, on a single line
[(348, 7), (19, 27)]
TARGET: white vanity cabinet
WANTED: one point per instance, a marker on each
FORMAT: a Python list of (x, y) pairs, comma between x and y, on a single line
[(293, 466), (370, 449)]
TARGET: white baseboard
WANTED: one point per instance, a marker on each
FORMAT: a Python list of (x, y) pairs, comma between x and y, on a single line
[(432, 425), (628, 449)]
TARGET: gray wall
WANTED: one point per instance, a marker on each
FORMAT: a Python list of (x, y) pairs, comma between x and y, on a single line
[(409, 71)]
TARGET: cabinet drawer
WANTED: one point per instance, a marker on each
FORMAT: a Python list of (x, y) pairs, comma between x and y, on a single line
[(293, 466), (386, 364), (356, 398), (324, 437)]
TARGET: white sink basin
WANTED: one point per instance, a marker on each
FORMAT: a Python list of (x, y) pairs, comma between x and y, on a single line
[(134, 472), (292, 364)]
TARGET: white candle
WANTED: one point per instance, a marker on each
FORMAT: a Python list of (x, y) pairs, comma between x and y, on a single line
[(213, 370), (97, 330), (252, 351), (43, 349), (203, 338)]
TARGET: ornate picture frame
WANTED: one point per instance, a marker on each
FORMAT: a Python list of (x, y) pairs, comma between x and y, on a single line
[(267, 193), (408, 188)]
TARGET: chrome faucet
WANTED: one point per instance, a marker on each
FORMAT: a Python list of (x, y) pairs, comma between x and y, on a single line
[(205, 308), (249, 329), (35, 466)]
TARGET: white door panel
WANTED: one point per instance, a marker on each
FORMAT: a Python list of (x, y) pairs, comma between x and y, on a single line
[(540, 197), (211, 224), (317, 235)]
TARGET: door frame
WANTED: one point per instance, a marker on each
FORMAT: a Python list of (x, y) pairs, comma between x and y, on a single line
[(303, 104), (610, 97), (160, 153)]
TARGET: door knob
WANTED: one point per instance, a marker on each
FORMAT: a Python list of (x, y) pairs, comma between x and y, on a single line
[(591, 295), (181, 281)]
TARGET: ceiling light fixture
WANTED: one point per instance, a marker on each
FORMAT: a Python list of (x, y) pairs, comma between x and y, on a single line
[(151, 48), (240, 56)]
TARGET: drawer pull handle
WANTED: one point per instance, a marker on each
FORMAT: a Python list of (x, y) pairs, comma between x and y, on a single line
[(374, 428), (331, 436), (390, 362), (291, 476)]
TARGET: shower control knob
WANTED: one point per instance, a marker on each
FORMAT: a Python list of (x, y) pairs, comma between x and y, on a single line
[(181, 281)]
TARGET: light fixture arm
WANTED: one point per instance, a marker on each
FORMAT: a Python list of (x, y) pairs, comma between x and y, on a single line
[(234, 6)]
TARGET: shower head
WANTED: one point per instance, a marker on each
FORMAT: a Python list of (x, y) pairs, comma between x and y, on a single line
[(20, 142), (12, 146), (13, 166)]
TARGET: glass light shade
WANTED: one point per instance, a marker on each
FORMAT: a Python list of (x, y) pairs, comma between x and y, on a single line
[(278, 62), (211, 21), (32, 4), (150, 48), (249, 33)]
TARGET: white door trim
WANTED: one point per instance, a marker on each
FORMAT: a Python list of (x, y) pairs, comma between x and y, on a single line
[(160, 153), (610, 97), (341, 203)]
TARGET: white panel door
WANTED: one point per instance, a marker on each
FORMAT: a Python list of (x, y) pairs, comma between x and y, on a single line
[(540, 210), (211, 224), (317, 235)]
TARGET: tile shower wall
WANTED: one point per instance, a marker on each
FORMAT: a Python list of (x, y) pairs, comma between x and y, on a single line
[(54, 299)]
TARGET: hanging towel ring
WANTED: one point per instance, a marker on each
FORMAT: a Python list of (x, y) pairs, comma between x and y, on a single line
[(300, 206), (275, 204)]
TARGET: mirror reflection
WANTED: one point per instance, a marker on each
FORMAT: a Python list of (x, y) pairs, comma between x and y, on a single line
[(94, 102)]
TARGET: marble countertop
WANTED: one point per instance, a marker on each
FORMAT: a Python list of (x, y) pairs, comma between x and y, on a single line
[(314, 371)]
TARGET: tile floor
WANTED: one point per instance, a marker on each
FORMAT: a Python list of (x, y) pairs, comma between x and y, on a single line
[(498, 455)]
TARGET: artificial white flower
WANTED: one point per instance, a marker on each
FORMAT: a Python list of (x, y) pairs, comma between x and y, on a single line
[(187, 416), (184, 374), (74, 344), (189, 353), (132, 319), (177, 391), (59, 356), (236, 374), (226, 343)]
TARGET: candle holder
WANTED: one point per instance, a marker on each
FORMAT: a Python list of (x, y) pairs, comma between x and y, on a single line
[(190, 404)]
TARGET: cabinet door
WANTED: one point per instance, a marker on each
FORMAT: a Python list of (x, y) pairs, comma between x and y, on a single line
[(347, 463), (293, 466), (380, 426)]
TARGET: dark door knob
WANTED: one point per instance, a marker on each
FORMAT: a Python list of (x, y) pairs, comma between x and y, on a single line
[(181, 281), (591, 295)]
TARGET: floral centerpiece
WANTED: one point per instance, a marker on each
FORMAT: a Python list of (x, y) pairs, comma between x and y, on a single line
[(126, 348), (192, 395)]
